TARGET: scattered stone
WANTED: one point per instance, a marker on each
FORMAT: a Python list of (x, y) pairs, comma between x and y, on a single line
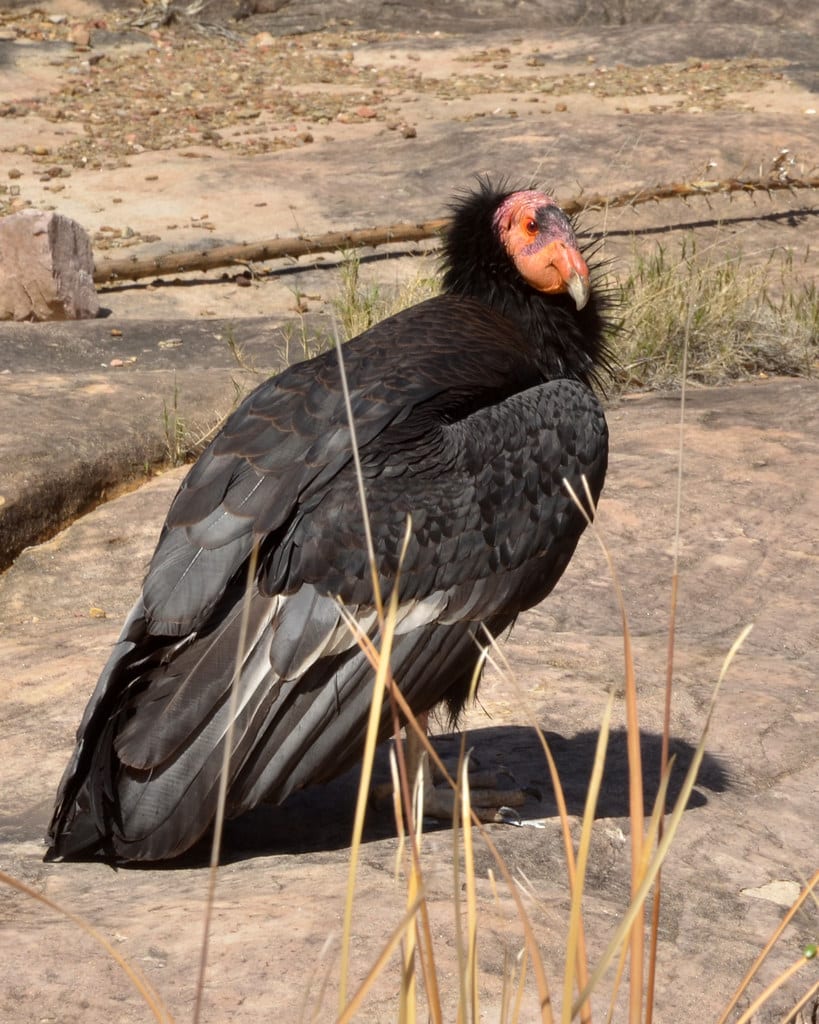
[(46, 268), (782, 892), (79, 35), (409, 131)]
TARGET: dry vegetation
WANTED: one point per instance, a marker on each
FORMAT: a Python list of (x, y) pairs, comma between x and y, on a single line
[(739, 317), (735, 318)]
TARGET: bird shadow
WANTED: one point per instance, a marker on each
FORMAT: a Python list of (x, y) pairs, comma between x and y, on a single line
[(320, 818)]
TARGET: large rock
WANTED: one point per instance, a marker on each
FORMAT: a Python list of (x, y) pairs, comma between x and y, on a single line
[(46, 268)]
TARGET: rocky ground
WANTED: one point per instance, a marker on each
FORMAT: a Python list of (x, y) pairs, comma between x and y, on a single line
[(221, 129)]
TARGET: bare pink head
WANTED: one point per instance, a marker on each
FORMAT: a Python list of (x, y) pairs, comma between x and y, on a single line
[(540, 240)]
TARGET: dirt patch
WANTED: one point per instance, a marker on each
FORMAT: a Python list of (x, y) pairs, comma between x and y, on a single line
[(161, 137)]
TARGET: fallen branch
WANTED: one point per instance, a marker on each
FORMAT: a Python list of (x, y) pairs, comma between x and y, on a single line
[(132, 268)]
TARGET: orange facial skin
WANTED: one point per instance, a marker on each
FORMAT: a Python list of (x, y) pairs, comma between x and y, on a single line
[(539, 238)]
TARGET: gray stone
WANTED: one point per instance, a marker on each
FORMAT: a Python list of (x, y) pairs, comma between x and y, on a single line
[(46, 268)]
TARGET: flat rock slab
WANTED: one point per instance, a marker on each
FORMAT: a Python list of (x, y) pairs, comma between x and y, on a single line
[(749, 551), (92, 407)]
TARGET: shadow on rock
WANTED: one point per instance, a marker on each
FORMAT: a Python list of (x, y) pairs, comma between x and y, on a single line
[(320, 818), (575, 756)]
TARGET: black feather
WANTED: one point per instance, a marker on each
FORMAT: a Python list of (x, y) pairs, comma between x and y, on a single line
[(471, 410)]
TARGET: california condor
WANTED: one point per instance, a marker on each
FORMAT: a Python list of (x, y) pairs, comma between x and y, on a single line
[(472, 410)]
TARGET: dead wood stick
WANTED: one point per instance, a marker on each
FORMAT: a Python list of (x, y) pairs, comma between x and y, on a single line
[(132, 268), (135, 267)]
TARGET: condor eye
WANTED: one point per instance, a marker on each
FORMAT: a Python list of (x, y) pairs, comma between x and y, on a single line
[(530, 226)]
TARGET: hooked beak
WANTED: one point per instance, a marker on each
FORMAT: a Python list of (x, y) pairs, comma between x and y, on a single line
[(578, 287), (566, 271)]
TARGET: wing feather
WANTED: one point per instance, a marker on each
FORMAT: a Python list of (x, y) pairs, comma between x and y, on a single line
[(476, 463)]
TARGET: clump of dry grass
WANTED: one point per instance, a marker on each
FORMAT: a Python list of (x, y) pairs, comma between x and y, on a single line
[(741, 318), (358, 306)]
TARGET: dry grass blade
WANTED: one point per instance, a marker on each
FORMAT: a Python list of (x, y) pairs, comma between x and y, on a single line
[(325, 978), (362, 494), (664, 844), (576, 912), (349, 1011), (521, 985), (776, 984), (407, 999), (370, 741), (635, 770), (145, 989), (669, 675), (780, 928), (502, 666), (471, 984), (652, 836), (382, 671), (457, 826), (398, 815), (790, 1016), (636, 818)]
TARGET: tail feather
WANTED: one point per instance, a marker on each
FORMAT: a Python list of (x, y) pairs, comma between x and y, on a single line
[(143, 781)]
